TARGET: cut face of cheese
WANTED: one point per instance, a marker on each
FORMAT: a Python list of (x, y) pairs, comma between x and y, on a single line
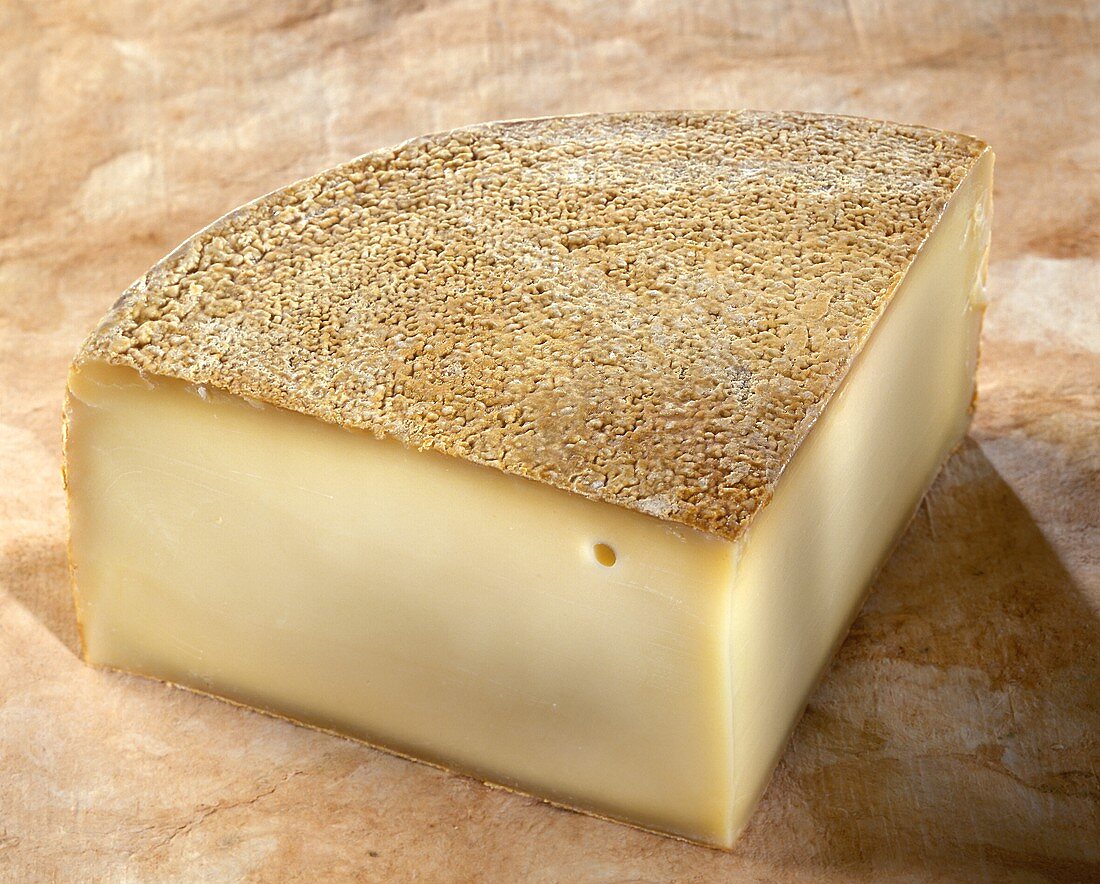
[(597, 642), (436, 607)]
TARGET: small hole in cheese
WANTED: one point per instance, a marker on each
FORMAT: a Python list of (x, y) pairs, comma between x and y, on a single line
[(605, 555)]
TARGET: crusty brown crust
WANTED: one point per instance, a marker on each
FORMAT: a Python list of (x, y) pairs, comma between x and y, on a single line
[(646, 309)]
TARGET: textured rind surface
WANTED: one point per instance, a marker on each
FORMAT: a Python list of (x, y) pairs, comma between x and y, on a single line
[(647, 309)]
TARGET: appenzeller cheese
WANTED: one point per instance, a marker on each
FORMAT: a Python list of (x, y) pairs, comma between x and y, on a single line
[(560, 452)]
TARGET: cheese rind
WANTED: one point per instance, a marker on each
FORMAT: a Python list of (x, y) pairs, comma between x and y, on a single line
[(645, 309), (641, 665)]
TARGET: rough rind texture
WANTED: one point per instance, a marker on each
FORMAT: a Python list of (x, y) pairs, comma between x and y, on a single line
[(646, 309)]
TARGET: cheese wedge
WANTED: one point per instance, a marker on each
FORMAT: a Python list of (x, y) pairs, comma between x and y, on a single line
[(560, 453)]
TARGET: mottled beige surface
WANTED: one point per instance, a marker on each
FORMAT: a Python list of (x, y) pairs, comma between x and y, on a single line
[(646, 309), (956, 735)]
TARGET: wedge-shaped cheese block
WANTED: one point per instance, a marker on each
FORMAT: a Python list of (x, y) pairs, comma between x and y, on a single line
[(559, 452)]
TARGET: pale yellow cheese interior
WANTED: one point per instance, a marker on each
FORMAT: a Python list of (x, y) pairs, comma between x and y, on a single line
[(576, 650), (853, 485)]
